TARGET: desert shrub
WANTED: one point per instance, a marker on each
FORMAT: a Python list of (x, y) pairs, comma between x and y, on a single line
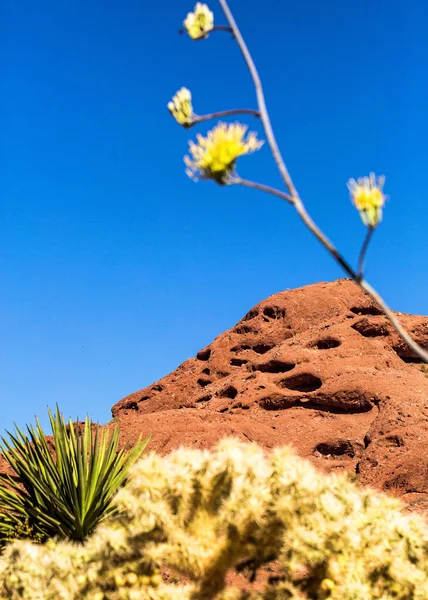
[(203, 513), (64, 495)]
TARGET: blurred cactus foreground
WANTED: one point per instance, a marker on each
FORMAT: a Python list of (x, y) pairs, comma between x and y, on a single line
[(204, 515)]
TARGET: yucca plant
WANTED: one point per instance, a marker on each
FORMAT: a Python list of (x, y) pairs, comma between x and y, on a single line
[(65, 495)]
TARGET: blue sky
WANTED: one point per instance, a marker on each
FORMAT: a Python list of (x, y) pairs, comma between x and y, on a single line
[(114, 266)]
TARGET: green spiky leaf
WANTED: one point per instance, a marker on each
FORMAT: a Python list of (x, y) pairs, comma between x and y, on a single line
[(65, 495)]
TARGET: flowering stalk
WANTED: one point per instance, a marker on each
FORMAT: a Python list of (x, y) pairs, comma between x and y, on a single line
[(295, 199)]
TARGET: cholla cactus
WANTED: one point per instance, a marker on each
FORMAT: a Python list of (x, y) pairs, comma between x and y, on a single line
[(203, 514)]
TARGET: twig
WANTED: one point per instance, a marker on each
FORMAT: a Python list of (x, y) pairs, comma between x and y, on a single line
[(215, 28), (222, 28), (363, 252), (224, 113), (235, 180), (297, 202)]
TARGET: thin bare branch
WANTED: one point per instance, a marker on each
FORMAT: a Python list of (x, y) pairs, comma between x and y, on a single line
[(222, 28), (297, 202), (235, 180), (364, 251), (224, 113), (204, 35)]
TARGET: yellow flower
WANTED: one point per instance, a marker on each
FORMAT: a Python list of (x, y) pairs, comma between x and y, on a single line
[(181, 107), (368, 197), (199, 22), (214, 156)]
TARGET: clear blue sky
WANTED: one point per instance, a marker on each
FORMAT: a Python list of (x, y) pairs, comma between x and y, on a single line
[(114, 266)]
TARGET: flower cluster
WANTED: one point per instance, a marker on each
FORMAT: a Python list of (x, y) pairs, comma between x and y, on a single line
[(199, 22), (181, 107), (368, 197), (214, 156)]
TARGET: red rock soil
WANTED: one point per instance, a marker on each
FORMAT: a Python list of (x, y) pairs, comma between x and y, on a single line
[(317, 367)]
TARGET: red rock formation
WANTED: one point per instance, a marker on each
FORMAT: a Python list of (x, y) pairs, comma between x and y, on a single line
[(317, 367)]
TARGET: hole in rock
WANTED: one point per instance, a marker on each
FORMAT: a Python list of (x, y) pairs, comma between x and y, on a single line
[(228, 392), (204, 398), (405, 354), (143, 398), (262, 348), (374, 311), (274, 312), (391, 441), (206, 371), (411, 359), (336, 448), (222, 374), (238, 362), (400, 482), (240, 348), (204, 382), (242, 329), (326, 343), (276, 402), (204, 354), (282, 402), (275, 366), (369, 330), (157, 388), (304, 382), (251, 315)]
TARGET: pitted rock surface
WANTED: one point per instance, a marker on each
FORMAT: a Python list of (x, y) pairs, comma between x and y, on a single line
[(317, 367)]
